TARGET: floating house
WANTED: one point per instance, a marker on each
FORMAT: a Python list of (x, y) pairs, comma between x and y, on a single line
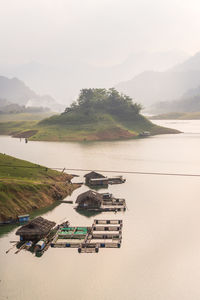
[(94, 179), (92, 175), (35, 230), (94, 201), (89, 200)]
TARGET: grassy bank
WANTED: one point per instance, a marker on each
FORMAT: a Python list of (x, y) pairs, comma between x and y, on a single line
[(25, 187), (104, 127)]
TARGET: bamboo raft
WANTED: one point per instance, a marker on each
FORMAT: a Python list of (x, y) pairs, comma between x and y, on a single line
[(102, 234)]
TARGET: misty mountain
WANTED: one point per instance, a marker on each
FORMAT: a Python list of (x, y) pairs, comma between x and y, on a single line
[(15, 91), (13, 108), (150, 87), (64, 82), (192, 92), (191, 64), (186, 104), (189, 102), (4, 102)]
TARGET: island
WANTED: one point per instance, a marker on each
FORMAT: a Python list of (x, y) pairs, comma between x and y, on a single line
[(98, 114), (26, 187)]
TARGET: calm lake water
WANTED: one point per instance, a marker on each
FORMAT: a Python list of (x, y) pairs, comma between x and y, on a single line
[(160, 254)]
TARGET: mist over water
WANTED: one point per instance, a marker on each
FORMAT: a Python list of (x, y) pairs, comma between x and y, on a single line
[(159, 258)]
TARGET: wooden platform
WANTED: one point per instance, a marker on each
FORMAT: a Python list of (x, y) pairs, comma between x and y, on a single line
[(102, 234)]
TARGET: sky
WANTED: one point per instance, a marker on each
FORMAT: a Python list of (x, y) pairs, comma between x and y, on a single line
[(101, 32)]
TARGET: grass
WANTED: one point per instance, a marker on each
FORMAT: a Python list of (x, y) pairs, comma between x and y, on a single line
[(105, 127), (13, 168), (25, 187)]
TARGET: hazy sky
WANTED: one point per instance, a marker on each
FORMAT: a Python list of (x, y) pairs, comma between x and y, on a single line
[(98, 31)]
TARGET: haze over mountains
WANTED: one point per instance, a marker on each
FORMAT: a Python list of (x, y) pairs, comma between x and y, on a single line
[(169, 81), (64, 82), (14, 91), (153, 86)]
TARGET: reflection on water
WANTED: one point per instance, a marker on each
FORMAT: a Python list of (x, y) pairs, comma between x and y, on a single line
[(88, 214), (160, 254)]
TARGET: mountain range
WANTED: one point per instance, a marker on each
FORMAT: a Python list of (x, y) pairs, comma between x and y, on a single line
[(65, 81), (152, 86), (14, 91), (161, 82)]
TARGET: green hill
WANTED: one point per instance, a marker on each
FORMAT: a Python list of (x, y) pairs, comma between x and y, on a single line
[(98, 114), (25, 187)]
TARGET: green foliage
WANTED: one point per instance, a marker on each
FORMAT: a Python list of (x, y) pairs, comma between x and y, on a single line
[(93, 101), (94, 107)]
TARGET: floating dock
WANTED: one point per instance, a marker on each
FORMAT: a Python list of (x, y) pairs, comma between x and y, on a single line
[(102, 234)]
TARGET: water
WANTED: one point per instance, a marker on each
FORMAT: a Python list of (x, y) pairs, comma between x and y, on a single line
[(160, 254)]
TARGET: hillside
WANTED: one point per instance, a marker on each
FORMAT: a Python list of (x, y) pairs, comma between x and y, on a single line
[(152, 86), (98, 114), (25, 187)]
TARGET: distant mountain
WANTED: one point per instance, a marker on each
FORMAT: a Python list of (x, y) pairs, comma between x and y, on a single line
[(13, 108), (189, 104), (192, 92), (140, 62), (15, 91), (65, 81), (191, 64), (150, 87), (4, 102)]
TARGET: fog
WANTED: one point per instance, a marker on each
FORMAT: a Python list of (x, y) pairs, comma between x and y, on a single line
[(58, 47), (100, 32)]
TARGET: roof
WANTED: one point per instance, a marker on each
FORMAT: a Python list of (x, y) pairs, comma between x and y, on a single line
[(38, 225), (94, 175), (98, 179), (89, 194)]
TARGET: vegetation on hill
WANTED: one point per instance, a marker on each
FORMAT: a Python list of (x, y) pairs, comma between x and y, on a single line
[(98, 114), (92, 106), (25, 187)]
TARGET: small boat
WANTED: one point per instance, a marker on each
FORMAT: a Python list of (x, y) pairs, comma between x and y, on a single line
[(144, 133), (40, 246), (28, 245)]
